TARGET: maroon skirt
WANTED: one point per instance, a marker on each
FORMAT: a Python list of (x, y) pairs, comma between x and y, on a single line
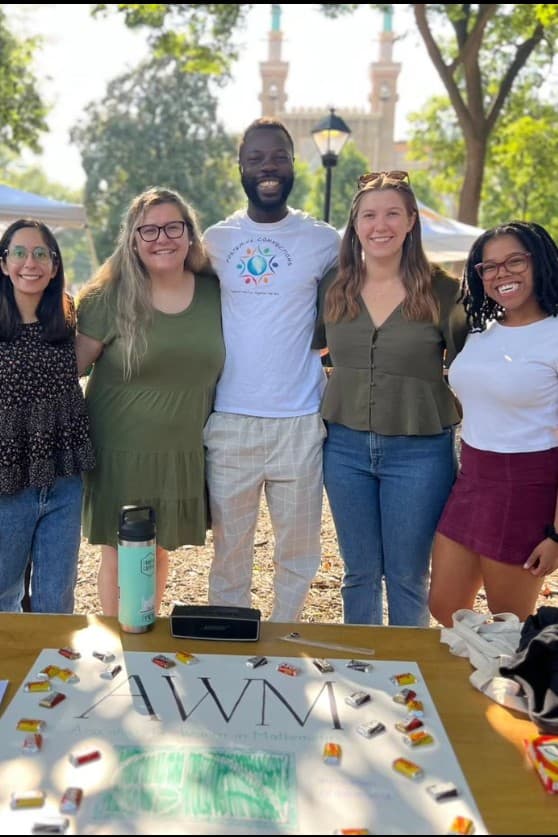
[(501, 503)]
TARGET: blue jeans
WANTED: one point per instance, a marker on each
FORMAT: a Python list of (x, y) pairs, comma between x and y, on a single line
[(43, 526), (386, 494)]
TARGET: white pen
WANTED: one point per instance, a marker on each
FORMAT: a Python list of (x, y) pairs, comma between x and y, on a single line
[(296, 637)]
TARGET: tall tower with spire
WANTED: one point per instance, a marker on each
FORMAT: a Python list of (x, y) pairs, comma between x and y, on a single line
[(274, 71), (372, 130), (383, 94)]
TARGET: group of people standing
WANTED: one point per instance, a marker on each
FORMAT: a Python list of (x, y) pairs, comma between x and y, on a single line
[(206, 388)]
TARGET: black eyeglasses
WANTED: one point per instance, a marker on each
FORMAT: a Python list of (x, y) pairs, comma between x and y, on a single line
[(514, 263), (151, 232), (19, 253), (398, 175)]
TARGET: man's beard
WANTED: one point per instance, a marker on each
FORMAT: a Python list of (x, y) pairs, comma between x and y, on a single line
[(250, 187)]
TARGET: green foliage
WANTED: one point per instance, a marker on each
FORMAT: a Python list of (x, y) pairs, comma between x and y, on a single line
[(437, 145), (350, 165), (156, 126), (525, 142), (33, 179), (522, 158), (425, 191), (79, 265), (298, 198), (196, 35), (334, 10), (22, 112)]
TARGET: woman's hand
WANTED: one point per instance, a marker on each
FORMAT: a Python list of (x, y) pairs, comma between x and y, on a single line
[(543, 560)]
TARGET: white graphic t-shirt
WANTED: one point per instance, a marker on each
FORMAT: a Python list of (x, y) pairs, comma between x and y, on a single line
[(269, 275)]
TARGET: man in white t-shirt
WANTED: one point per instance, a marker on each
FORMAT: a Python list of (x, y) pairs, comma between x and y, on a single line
[(266, 431)]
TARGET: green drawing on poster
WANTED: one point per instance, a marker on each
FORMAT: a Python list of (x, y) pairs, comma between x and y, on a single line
[(205, 783)]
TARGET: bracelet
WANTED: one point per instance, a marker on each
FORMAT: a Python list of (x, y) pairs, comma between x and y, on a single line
[(550, 532)]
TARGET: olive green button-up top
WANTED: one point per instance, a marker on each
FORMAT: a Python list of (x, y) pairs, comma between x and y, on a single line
[(390, 379)]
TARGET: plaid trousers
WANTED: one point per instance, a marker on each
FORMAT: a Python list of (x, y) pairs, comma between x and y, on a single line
[(282, 457)]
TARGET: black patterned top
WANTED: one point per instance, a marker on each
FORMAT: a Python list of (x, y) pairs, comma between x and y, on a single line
[(44, 429)]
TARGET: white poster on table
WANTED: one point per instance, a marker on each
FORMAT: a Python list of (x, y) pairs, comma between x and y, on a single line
[(212, 745)]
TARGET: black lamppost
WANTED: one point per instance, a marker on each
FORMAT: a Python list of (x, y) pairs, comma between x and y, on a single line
[(330, 135)]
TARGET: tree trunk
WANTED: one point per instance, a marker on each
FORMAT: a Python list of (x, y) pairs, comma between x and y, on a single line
[(469, 197)]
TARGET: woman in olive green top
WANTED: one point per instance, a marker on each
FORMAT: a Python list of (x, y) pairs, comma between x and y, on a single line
[(389, 319), (150, 321)]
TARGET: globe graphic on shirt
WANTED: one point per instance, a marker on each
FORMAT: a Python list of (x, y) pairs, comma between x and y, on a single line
[(257, 265)]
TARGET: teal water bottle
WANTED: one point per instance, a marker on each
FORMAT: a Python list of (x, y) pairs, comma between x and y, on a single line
[(136, 568)]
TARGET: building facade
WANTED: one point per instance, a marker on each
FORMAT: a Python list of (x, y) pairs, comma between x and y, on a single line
[(372, 130)]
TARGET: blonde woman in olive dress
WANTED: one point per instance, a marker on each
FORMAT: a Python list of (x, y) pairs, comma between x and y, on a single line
[(150, 323)]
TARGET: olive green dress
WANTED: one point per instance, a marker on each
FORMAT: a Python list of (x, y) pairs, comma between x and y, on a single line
[(147, 431)]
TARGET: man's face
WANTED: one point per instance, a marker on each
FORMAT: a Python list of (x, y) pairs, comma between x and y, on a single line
[(266, 169)]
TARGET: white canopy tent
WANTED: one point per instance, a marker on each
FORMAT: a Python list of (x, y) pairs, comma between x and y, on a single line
[(58, 215), (16, 204), (444, 239)]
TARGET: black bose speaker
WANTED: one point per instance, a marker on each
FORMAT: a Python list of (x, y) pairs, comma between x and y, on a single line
[(236, 624)]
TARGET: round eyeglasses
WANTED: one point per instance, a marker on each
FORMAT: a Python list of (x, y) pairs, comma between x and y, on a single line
[(514, 263), (19, 253), (151, 232)]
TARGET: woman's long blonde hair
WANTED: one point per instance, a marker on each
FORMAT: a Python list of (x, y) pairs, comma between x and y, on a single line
[(342, 298), (125, 282)]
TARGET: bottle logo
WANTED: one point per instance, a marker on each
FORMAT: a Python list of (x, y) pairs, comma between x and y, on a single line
[(147, 607), (147, 564)]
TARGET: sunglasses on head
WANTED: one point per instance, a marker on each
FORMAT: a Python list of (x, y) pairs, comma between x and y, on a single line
[(371, 176)]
